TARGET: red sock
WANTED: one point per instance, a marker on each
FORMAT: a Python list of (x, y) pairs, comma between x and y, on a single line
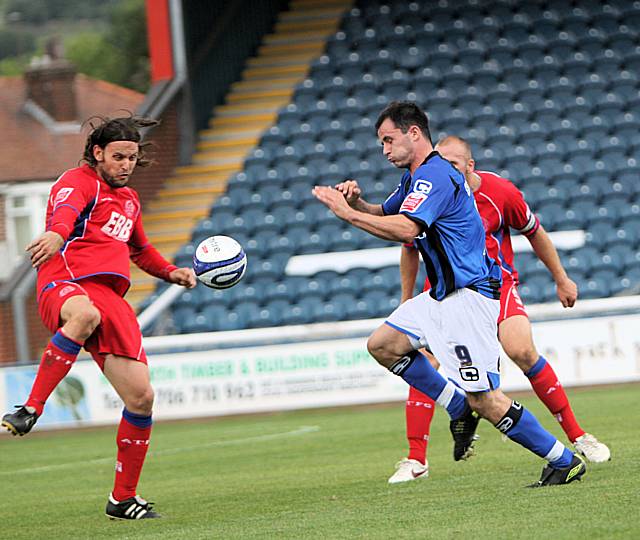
[(133, 441), (419, 412), (57, 359), (545, 384)]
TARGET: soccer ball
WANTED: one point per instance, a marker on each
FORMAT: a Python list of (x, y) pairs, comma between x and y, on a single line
[(219, 262)]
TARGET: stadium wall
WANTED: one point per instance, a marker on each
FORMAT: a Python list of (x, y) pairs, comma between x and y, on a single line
[(164, 152), (322, 373)]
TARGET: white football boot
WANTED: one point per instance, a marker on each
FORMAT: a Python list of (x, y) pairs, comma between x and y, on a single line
[(409, 469), (592, 448)]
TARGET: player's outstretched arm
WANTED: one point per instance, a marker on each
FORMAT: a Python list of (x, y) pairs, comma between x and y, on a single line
[(409, 261), (566, 288), (397, 228), (44, 247), (353, 195)]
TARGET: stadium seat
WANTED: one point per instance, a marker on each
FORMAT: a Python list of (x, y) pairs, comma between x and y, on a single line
[(595, 287), (516, 28), (472, 54), (487, 30), (560, 43), (427, 36), (531, 291), (609, 105), (233, 321), (517, 73), (501, 51), (576, 22), (487, 76), (622, 40), (621, 286), (470, 98)]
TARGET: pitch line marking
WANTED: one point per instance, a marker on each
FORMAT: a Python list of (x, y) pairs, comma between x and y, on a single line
[(302, 430)]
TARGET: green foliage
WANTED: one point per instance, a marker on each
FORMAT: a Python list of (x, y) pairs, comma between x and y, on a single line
[(119, 54), (16, 42), (92, 55), (13, 67), (268, 477), (40, 11)]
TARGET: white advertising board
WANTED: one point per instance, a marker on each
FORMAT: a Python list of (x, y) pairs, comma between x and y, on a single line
[(314, 374)]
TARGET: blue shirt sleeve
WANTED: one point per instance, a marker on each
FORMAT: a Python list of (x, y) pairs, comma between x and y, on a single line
[(428, 198), (392, 205)]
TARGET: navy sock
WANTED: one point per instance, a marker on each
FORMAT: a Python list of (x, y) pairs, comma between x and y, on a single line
[(522, 427), (537, 367), (139, 420), (416, 370)]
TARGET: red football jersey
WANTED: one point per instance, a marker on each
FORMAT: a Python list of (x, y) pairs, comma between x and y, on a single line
[(102, 229), (501, 206)]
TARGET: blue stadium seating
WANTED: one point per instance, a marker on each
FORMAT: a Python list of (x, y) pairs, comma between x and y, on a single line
[(546, 93)]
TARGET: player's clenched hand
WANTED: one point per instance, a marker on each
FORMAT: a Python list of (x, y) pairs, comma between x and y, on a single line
[(333, 199), (184, 277), (351, 191), (44, 247), (567, 292)]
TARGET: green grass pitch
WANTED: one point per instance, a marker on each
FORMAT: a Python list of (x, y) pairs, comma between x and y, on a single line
[(323, 474)]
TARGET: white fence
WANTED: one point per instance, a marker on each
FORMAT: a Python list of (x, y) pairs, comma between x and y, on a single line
[(322, 365)]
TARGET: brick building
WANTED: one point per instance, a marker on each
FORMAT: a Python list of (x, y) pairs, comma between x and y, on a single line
[(42, 116)]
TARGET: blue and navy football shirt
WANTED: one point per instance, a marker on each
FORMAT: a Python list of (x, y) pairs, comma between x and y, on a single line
[(452, 241)]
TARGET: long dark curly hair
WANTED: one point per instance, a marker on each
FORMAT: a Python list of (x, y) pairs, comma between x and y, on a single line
[(105, 130)]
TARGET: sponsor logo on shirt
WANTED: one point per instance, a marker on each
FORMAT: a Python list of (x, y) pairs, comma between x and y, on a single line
[(413, 201), (423, 186), (62, 195), (66, 290), (118, 227), (129, 208)]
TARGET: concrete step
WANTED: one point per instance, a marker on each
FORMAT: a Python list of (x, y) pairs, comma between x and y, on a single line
[(168, 248), (309, 47), (171, 225), (164, 238), (203, 170), (250, 108), (301, 6), (204, 189), (282, 60), (168, 216), (258, 120), (230, 133), (306, 26), (272, 73), (216, 158), (198, 181), (230, 145), (296, 37), (302, 14), (265, 95), (182, 204), (253, 85)]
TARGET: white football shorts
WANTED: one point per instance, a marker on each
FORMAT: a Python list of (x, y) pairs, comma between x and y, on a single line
[(462, 333)]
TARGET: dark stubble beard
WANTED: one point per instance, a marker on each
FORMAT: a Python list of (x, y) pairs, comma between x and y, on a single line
[(113, 183)]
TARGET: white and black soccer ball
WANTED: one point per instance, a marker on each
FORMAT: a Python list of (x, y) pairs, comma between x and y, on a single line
[(219, 262)]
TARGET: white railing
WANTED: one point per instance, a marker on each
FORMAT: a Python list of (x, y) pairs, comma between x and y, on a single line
[(344, 329)]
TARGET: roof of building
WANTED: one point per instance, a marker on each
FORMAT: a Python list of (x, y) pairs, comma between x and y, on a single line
[(32, 151)]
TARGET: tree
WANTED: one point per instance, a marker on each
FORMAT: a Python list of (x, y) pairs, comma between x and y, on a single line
[(119, 54)]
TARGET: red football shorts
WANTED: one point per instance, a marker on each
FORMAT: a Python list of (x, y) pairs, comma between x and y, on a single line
[(118, 332), (510, 302)]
